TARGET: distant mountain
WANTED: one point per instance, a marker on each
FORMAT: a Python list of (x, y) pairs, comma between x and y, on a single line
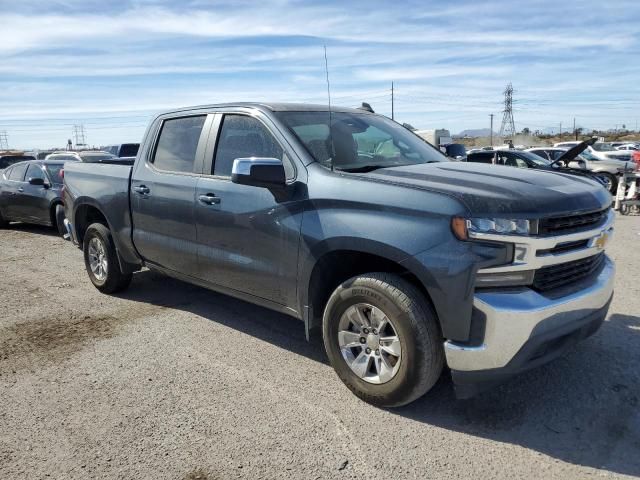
[(475, 132)]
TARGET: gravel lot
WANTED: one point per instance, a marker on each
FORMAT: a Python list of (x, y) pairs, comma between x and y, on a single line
[(172, 381)]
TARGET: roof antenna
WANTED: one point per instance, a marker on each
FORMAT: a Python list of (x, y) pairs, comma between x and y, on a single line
[(326, 69)]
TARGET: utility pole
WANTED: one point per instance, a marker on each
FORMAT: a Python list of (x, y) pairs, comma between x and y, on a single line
[(491, 129), (392, 112), (560, 131), (4, 142), (574, 128)]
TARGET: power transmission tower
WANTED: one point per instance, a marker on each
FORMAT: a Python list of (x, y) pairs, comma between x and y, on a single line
[(4, 142), (508, 128), (78, 135)]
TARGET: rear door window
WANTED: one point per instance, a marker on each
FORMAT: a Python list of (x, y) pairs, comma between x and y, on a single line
[(177, 144), (17, 173)]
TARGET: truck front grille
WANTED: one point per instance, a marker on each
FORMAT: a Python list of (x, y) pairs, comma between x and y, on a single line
[(551, 226), (555, 276)]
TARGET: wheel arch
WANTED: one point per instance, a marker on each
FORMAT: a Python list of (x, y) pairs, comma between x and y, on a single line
[(341, 259)]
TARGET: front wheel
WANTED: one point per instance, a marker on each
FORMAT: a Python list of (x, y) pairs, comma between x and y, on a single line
[(609, 180), (101, 260), (383, 340), (59, 217)]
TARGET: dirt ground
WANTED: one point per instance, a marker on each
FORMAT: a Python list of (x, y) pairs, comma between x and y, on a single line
[(172, 381)]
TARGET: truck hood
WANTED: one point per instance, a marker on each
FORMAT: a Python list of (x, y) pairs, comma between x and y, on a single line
[(496, 189)]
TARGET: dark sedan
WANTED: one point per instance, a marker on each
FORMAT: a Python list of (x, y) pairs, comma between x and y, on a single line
[(31, 192)]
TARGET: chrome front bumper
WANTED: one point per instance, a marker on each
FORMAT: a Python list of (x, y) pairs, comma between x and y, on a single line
[(512, 317)]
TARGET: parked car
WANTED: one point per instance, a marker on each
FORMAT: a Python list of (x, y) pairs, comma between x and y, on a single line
[(608, 171), (569, 162), (606, 151), (628, 146), (8, 160), (123, 149), (39, 154), (456, 151), (403, 259), (88, 156), (30, 192)]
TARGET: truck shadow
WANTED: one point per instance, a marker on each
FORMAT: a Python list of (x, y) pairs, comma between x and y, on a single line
[(581, 409)]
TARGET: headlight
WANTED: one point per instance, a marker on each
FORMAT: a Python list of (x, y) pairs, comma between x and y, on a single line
[(465, 228)]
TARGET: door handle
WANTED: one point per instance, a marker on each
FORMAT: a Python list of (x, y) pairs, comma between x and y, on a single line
[(209, 199), (21, 189), (142, 189)]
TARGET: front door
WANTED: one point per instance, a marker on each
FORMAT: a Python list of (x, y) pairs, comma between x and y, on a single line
[(33, 201), (162, 194), (13, 187), (247, 239)]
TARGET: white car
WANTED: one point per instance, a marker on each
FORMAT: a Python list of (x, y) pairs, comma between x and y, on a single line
[(89, 156), (628, 146)]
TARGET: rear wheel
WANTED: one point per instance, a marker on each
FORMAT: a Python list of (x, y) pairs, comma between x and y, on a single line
[(382, 339), (101, 260), (59, 217)]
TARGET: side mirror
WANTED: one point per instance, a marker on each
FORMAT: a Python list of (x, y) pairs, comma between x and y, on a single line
[(36, 181), (259, 172)]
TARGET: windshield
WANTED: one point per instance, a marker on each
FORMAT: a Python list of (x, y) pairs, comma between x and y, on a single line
[(587, 155), (54, 170), (361, 142), (602, 147), (532, 157), (96, 157)]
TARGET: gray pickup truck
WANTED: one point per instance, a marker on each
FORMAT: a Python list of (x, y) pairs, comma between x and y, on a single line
[(403, 260)]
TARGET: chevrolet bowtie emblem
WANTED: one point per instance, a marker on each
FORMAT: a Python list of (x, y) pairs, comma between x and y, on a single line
[(601, 241)]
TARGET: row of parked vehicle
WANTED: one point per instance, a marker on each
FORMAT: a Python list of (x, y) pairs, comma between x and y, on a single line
[(31, 183), (586, 158)]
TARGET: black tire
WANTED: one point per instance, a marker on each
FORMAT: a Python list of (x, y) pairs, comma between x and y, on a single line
[(3, 222), (624, 209), (422, 357), (610, 180), (59, 218), (114, 280)]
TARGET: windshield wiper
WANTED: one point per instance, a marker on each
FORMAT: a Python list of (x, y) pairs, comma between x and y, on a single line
[(364, 168)]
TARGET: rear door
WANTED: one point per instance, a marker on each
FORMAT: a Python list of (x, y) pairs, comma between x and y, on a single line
[(162, 193), (248, 239)]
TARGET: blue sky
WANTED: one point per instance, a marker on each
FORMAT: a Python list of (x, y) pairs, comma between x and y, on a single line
[(111, 65)]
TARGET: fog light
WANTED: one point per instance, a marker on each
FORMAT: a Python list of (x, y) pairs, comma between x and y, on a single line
[(504, 279)]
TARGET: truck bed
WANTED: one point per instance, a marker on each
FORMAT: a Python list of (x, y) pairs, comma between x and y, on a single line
[(105, 186)]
